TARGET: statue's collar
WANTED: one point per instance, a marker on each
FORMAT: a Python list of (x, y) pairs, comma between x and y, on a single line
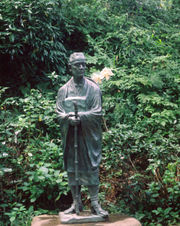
[(80, 84)]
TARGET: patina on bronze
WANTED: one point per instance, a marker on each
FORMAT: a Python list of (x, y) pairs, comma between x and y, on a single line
[(87, 95)]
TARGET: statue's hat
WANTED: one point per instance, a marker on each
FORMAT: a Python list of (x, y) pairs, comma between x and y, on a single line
[(76, 57)]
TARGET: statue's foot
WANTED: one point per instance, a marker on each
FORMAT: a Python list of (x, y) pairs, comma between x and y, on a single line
[(72, 209), (97, 210)]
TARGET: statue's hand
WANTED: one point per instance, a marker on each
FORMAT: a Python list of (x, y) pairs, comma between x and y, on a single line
[(70, 114), (74, 121)]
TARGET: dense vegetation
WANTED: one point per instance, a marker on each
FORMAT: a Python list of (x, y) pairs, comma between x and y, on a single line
[(139, 40)]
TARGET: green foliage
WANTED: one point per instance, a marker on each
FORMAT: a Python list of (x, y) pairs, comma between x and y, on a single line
[(31, 159), (19, 215), (31, 39), (139, 41)]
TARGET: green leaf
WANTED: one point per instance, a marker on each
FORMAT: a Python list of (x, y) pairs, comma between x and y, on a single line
[(12, 219)]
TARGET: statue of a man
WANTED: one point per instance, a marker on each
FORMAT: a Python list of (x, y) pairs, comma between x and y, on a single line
[(87, 95)]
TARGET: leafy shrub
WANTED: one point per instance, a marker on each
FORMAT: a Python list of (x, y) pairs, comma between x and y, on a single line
[(34, 170), (32, 34)]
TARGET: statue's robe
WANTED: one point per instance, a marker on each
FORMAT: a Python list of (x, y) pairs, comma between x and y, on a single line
[(89, 101)]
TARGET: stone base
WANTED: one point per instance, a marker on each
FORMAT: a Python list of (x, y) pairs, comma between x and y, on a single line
[(84, 217), (113, 220)]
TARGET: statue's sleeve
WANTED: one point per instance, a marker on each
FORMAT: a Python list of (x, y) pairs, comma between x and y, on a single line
[(59, 106), (93, 115), (91, 127), (62, 116)]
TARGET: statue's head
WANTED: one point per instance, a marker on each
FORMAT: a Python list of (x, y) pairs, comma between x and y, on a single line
[(77, 56), (77, 64)]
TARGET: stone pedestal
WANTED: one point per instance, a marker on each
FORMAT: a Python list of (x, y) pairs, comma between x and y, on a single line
[(114, 220)]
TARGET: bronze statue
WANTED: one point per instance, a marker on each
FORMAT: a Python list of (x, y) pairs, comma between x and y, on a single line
[(79, 112)]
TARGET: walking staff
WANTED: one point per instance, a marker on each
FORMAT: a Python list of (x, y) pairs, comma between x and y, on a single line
[(76, 161)]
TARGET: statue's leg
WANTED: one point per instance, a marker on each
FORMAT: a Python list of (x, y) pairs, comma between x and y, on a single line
[(72, 208), (95, 206)]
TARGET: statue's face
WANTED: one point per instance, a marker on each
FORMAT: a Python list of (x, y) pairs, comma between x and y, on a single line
[(78, 68)]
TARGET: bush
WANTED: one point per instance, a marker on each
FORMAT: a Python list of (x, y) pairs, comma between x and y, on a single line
[(32, 34)]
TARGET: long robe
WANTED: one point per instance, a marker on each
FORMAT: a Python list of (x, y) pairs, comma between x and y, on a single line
[(89, 130)]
